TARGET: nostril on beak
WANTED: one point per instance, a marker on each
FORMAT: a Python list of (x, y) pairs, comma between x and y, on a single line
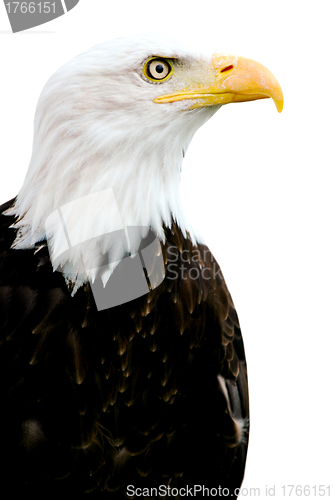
[(227, 68)]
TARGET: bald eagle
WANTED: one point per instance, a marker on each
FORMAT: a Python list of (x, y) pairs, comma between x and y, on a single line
[(122, 396)]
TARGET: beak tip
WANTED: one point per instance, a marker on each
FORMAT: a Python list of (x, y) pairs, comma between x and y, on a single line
[(279, 104)]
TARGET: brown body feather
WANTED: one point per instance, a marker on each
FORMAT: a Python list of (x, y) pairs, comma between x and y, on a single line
[(148, 393)]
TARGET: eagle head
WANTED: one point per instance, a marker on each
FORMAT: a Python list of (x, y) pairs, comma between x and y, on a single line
[(111, 129)]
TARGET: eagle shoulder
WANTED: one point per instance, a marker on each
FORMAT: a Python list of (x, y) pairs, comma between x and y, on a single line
[(149, 392)]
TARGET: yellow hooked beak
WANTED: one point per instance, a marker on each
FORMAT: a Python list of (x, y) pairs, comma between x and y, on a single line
[(229, 79)]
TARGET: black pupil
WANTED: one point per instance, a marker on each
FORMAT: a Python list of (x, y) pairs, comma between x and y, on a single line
[(159, 68)]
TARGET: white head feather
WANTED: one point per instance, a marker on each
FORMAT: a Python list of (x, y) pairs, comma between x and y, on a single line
[(97, 128)]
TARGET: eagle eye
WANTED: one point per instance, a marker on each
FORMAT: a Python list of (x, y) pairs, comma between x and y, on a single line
[(157, 69)]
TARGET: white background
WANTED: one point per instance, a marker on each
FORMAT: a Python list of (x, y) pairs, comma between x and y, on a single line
[(256, 183)]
